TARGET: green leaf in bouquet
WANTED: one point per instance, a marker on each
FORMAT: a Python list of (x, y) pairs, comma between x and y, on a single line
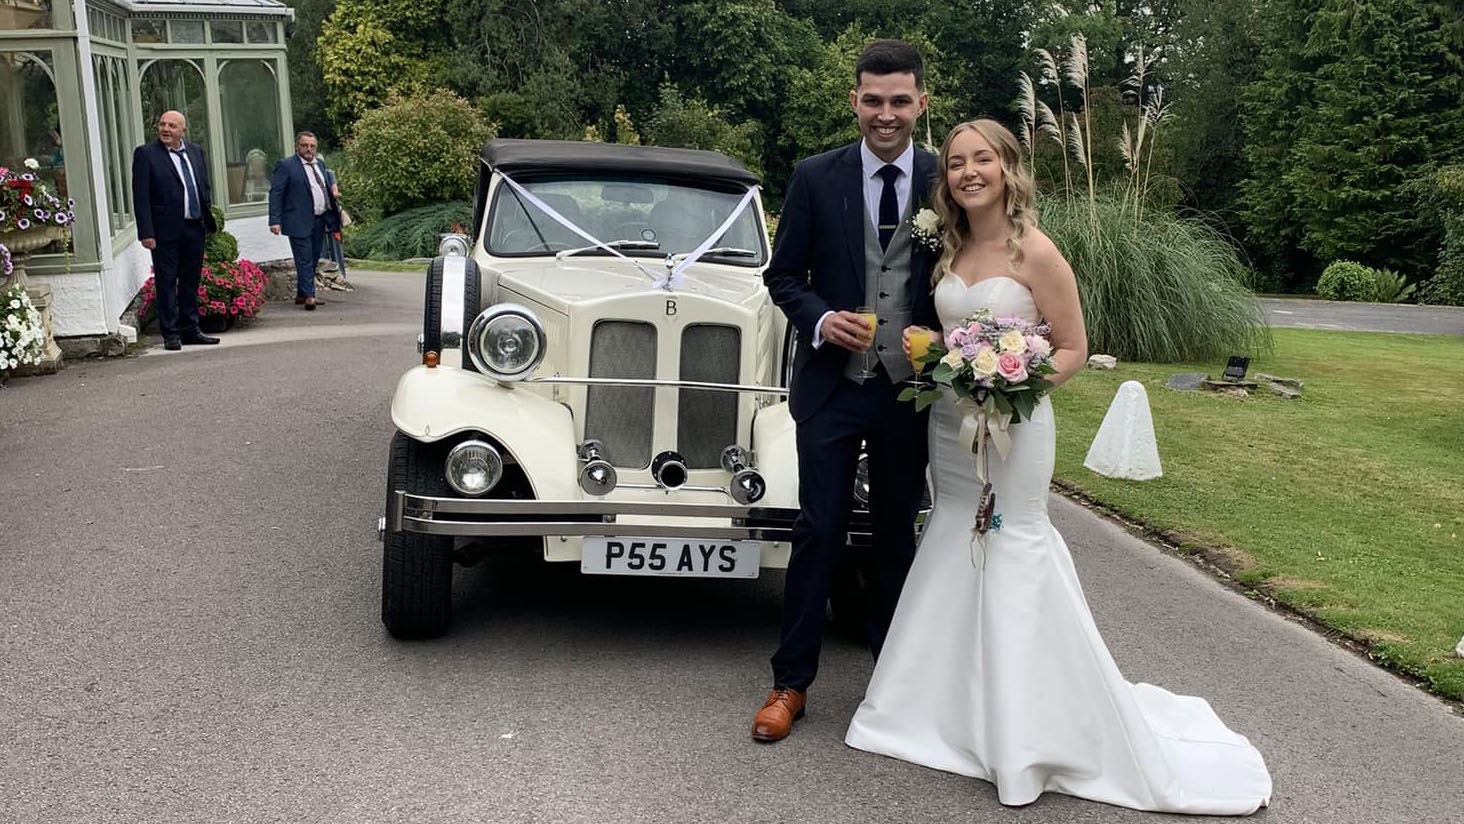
[(943, 373), (1003, 403), (1023, 405), (926, 398), (909, 393)]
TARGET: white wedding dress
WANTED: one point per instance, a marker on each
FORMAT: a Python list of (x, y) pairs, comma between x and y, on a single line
[(999, 673)]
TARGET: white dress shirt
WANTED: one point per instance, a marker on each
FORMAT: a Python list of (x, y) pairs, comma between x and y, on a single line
[(873, 191), (179, 158), (317, 193)]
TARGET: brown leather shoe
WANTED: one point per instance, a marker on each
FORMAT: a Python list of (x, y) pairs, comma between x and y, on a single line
[(775, 720)]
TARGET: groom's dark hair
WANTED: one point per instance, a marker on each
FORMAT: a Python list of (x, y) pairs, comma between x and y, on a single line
[(890, 57)]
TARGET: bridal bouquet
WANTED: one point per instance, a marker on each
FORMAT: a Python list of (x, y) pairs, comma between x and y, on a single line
[(996, 368), (997, 364)]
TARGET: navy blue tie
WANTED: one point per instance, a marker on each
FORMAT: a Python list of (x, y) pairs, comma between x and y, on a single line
[(889, 205), (189, 188)]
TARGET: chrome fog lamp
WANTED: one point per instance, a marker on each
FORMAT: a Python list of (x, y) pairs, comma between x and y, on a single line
[(452, 244), (861, 481), (669, 470), (598, 477), (506, 342), (474, 467), (748, 487)]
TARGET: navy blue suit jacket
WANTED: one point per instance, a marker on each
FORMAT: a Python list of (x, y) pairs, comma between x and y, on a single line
[(290, 206), (157, 191), (818, 263)]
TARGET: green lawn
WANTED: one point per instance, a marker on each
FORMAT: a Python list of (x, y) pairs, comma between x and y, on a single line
[(1347, 504)]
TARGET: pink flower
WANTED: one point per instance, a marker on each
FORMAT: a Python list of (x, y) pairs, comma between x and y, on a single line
[(1012, 367), (1039, 346)]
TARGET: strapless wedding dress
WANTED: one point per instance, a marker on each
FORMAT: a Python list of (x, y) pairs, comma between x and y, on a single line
[(999, 673)]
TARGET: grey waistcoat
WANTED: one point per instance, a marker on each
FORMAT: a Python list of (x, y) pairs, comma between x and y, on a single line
[(886, 282)]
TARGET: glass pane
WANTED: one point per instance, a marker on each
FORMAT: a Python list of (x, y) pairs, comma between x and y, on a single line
[(25, 14), (175, 85), (262, 32), (112, 100), (251, 105), (186, 31), (227, 31), (30, 132), (149, 31)]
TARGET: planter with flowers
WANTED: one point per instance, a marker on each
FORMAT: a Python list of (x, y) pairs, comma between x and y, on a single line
[(22, 333), (32, 218), (228, 291)]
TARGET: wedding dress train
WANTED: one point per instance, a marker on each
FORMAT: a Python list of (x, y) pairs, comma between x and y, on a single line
[(999, 672)]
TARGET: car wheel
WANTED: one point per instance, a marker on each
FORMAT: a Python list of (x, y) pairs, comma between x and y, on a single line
[(416, 568), (432, 304)]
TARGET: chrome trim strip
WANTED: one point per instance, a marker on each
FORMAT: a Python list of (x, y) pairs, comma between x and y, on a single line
[(609, 530), (655, 382), (454, 285), (583, 509)]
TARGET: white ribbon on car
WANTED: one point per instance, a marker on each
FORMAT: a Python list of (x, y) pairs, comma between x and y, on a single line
[(977, 425), (668, 281), (672, 280)]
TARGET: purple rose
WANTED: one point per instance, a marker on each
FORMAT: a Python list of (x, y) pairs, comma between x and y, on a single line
[(969, 351)]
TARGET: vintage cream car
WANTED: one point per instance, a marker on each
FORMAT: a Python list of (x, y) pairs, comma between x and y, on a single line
[(602, 373)]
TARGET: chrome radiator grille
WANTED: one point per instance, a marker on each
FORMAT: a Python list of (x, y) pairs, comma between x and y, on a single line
[(622, 416), (707, 421)]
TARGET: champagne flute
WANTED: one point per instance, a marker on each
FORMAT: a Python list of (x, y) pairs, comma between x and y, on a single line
[(920, 340), (869, 316)]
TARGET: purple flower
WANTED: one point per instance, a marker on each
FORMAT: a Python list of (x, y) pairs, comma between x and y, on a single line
[(27, 176), (968, 351), (2, 215), (62, 218), (42, 215), (22, 224), (70, 203), (28, 200)]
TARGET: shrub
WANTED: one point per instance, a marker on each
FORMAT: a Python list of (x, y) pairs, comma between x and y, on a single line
[(414, 151), (1170, 289), (220, 247), (22, 337), (1391, 287), (409, 234), (1346, 280), (1443, 203)]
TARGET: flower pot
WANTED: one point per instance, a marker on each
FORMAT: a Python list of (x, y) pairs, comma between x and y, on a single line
[(215, 323)]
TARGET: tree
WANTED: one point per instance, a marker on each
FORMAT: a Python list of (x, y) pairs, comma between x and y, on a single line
[(307, 83), (372, 49), (1348, 110), (692, 124)]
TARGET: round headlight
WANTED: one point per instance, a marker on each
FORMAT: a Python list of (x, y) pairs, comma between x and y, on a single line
[(474, 467), (453, 244), (506, 342)]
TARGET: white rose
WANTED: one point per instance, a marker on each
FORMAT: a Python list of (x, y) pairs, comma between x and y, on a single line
[(1013, 341), (32, 164), (952, 359), (926, 221)]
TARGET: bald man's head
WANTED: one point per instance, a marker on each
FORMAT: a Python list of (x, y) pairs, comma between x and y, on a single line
[(171, 128)]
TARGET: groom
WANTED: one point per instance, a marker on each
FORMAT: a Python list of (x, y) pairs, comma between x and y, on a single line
[(844, 241)]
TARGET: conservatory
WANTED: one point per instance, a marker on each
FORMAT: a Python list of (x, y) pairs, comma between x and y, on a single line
[(82, 83)]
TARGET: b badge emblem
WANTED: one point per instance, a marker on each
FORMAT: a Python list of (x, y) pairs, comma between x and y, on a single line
[(670, 307)]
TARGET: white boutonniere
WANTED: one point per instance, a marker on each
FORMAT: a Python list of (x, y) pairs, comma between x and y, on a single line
[(925, 227)]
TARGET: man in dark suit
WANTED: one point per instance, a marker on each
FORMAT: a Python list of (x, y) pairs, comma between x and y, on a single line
[(174, 206), (302, 207), (844, 240)]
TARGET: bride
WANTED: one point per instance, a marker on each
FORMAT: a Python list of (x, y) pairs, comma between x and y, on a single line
[(999, 672)]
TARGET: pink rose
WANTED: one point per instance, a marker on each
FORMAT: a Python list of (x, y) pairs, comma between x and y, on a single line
[(1039, 346), (1012, 367)]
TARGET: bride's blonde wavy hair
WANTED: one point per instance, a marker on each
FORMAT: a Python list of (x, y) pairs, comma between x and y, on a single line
[(1021, 209)]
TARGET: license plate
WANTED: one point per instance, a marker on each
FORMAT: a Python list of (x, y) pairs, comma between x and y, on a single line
[(670, 556)]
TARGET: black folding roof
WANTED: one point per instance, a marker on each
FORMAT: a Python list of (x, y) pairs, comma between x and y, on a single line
[(513, 156)]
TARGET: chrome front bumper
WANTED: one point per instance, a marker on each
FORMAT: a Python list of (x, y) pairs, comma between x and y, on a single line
[(480, 517)]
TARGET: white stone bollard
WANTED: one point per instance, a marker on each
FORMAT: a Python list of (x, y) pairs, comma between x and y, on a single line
[(1125, 445)]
